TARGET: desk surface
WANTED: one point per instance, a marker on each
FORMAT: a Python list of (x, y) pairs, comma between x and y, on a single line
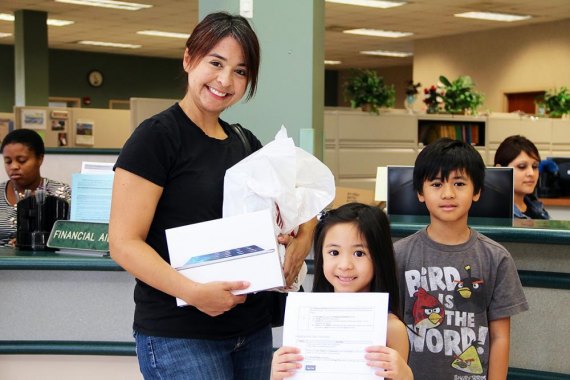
[(501, 230), (13, 258), (560, 201), (519, 231)]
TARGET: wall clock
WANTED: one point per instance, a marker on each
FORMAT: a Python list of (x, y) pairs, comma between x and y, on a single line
[(95, 78)]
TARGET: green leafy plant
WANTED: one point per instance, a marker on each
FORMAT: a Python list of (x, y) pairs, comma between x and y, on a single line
[(460, 95), (366, 89), (557, 102)]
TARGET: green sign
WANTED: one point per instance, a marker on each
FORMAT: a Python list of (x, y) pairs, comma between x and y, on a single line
[(90, 236)]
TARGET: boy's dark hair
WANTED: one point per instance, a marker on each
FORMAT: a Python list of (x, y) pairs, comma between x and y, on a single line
[(374, 226), (26, 137), (217, 26), (511, 147), (445, 155)]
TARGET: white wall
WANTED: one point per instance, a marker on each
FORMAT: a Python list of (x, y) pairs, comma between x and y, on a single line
[(517, 59), (61, 166)]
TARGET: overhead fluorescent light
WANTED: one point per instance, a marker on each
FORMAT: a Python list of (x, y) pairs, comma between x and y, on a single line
[(50, 21), (54, 22), (108, 4), (330, 62), (158, 33), (386, 53), (492, 16), (378, 33), (109, 44), (2, 35), (369, 3)]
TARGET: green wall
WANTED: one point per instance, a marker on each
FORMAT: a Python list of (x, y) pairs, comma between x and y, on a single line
[(291, 79), (7, 90), (125, 76)]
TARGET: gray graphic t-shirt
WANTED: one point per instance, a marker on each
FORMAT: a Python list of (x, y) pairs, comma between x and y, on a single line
[(449, 295)]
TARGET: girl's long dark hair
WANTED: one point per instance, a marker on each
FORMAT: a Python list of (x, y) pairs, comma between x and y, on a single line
[(374, 226)]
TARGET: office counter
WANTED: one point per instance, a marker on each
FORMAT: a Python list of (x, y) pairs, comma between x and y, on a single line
[(559, 208), (74, 305)]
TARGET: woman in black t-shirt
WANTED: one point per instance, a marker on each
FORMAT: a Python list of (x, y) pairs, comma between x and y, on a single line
[(170, 173)]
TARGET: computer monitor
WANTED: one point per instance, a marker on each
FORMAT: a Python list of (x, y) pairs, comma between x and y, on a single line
[(496, 199), (563, 174)]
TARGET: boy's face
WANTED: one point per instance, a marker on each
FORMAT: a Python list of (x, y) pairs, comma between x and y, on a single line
[(449, 200)]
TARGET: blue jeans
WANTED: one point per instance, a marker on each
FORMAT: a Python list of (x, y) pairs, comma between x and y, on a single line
[(241, 358)]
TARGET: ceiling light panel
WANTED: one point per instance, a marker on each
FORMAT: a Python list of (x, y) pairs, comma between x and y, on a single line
[(2, 35), (108, 4), (109, 44), (331, 62), (386, 53), (158, 33), (492, 16), (50, 21), (369, 3), (53, 22), (378, 33)]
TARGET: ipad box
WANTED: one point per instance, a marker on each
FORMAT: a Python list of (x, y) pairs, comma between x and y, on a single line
[(237, 248)]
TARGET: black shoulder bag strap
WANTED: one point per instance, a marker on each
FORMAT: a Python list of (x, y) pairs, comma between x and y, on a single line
[(241, 134), (276, 300)]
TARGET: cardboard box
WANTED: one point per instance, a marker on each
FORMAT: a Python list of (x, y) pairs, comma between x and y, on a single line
[(349, 194)]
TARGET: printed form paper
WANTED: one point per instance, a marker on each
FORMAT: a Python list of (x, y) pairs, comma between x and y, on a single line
[(91, 197), (332, 331)]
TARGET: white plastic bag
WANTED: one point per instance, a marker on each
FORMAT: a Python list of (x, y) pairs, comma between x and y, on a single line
[(294, 184)]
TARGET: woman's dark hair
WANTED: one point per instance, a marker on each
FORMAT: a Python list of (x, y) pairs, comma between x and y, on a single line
[(217, 26), (511, 147), (445, 155), (374, 227), (26, 137)]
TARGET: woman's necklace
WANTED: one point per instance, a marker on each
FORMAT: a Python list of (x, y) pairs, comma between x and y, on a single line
[(19, 195)]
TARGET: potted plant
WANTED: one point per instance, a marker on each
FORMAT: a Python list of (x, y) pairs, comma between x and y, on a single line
[(460, 95), (557, 102), (366, 89), (411, 94)]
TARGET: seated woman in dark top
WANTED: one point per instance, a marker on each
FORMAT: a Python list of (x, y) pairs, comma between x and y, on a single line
[(522, 155)]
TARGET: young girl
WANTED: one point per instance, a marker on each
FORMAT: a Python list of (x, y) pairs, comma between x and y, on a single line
[(354, 253)]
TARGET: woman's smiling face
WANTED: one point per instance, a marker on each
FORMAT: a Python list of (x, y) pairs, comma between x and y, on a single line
[(219, 79)]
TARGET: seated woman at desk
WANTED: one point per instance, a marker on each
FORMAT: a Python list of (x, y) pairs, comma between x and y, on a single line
[(23, 151), (522, 155)]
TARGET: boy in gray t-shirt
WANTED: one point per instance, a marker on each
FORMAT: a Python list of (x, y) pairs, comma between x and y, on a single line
[(458, 288)]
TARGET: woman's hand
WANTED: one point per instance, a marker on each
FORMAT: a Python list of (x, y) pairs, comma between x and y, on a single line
[(388, 362), (285, 362), (297, 250), (215, 298)]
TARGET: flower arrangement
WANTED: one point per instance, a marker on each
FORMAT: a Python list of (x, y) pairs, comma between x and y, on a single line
[(366, 89), (460, 95), (412, 88), (433, 97)]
